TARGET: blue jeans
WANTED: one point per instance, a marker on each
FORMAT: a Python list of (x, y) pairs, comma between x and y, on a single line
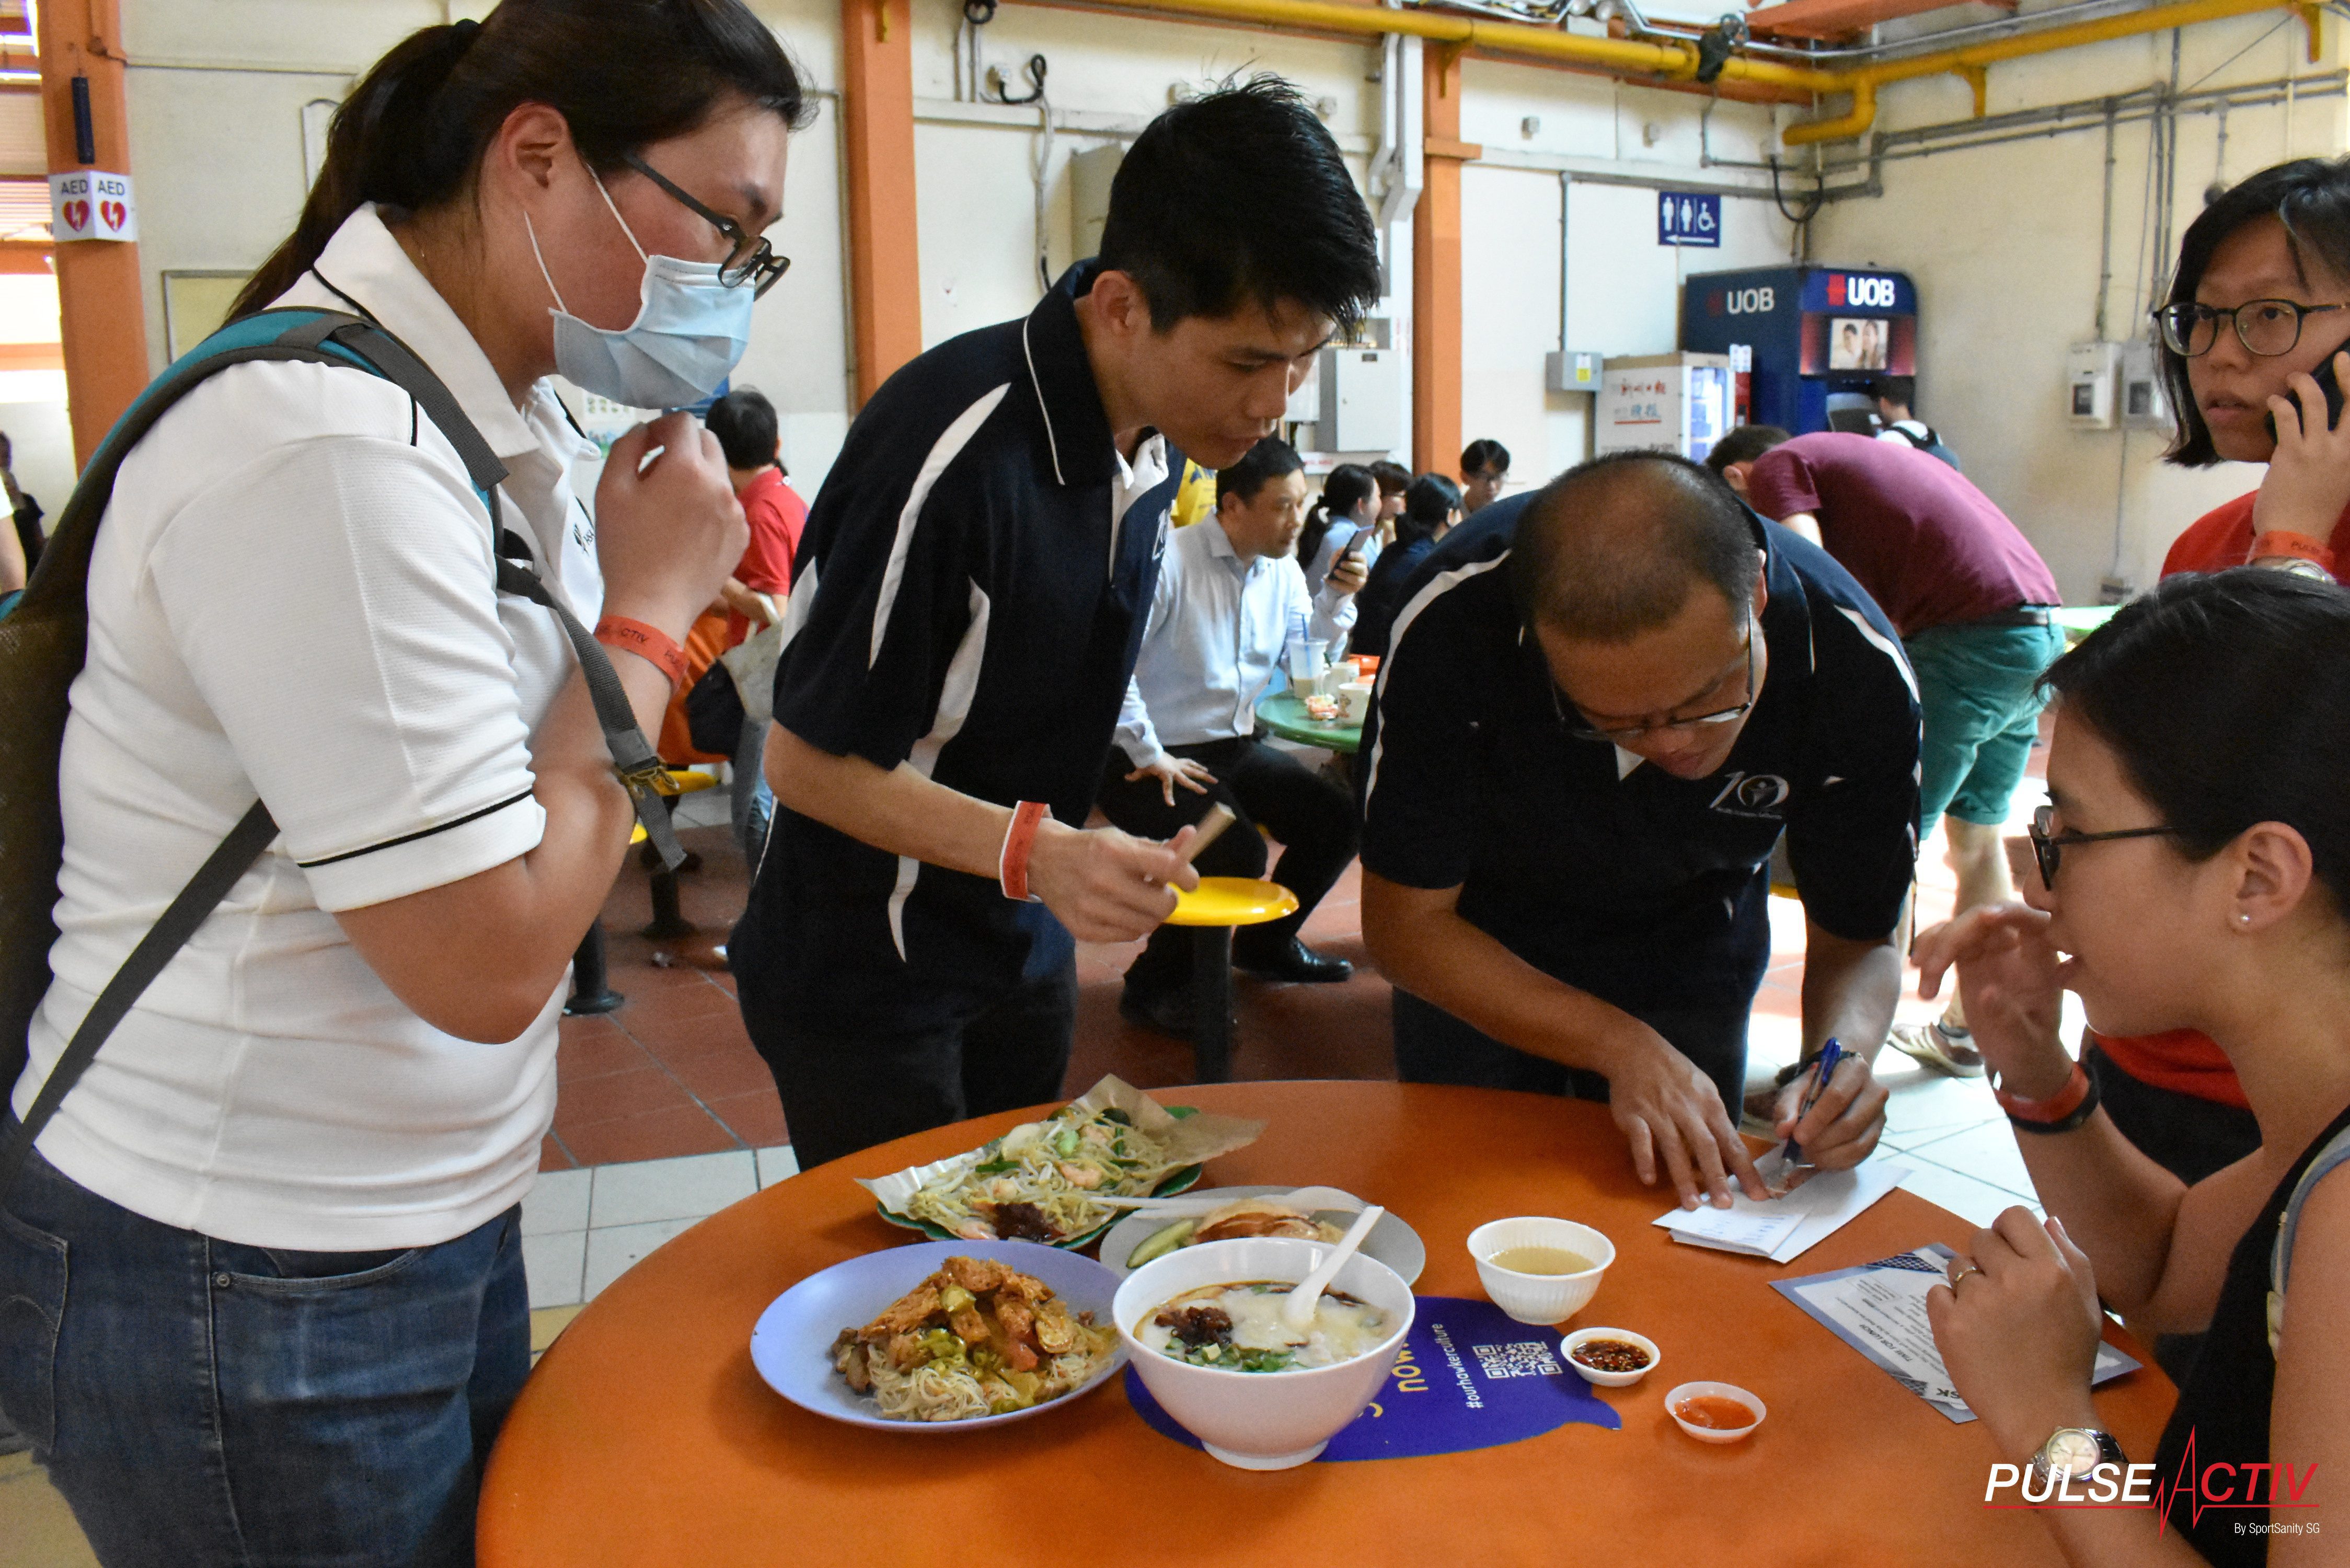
[(203, 1403), (754, 804)]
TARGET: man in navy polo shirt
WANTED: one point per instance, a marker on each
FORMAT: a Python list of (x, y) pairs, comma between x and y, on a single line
[(1601, 705), (971, 594)]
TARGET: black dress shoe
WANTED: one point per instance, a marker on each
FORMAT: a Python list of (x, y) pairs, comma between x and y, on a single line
[(1293, 961), (1164, 1012)]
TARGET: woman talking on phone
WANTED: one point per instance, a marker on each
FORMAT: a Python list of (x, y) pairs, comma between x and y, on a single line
[(2194, 872), (289, 1187), (2259, 308)]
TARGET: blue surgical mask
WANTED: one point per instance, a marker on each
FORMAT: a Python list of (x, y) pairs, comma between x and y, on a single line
[(691, 331)]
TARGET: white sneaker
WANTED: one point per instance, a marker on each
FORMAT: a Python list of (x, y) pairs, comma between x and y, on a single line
[(1938, 1048)]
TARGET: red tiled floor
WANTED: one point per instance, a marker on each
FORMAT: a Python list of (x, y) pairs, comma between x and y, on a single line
[(654, 1134)]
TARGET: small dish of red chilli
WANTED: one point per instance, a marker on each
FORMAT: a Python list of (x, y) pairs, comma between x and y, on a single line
[(1610, 1358)]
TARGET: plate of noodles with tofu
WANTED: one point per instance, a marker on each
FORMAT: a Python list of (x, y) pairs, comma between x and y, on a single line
[(1042, 1180), (942, 1336)]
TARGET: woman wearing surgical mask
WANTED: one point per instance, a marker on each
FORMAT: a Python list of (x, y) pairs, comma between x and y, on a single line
[(288, 1188)]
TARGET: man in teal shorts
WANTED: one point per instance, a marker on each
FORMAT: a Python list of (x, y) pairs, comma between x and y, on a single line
[(1971, 598)]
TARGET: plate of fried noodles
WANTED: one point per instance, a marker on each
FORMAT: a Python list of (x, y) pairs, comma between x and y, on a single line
[(942, 1336), (1042, 1180)]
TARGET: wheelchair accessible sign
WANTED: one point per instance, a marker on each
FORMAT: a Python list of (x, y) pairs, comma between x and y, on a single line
[(1689, 218), (1469, 1376)]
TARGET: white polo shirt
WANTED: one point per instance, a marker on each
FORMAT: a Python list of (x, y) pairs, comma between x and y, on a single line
[(292, 597)]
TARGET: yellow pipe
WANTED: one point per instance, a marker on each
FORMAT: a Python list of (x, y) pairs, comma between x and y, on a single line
[(1864, 82), (1674, 60)]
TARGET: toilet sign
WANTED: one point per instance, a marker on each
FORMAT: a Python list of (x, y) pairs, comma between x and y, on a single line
[(1689, 218), (89, 205)]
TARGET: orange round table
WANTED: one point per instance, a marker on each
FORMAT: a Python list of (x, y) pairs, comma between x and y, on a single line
[(644, 1436)]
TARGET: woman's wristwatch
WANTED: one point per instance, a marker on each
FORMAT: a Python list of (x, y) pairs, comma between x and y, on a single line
[(2071, 1453)]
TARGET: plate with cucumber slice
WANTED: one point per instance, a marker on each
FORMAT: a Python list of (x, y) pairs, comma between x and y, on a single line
[(1139, 1238)]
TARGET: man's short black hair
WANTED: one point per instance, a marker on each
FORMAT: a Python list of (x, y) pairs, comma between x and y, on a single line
[(1745, 444), (1270, 459), (1238, 197), (1900, 390), (1484, 456), (1612, 548), (744, 423)]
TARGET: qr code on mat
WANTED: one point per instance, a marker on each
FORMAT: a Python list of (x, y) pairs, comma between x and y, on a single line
[(1529, 1358)]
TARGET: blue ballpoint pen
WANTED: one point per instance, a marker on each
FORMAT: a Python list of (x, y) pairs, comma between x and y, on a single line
[(1830, 1054)]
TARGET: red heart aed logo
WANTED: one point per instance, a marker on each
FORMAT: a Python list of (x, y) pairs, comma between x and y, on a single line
[(114, 213), (76, 215)]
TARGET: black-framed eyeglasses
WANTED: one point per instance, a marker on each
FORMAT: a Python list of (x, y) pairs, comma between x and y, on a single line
[(2264, 327), (1626, 733), (749, 258), (2048, 847)]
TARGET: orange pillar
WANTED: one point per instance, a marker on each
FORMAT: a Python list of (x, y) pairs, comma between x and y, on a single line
[(876, 105), (1436, 269), (105, 315)]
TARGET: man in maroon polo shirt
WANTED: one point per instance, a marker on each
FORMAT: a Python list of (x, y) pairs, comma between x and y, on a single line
[(1971, 599)]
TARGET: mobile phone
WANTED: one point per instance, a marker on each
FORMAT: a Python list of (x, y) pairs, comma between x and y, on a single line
[(2323, 376)]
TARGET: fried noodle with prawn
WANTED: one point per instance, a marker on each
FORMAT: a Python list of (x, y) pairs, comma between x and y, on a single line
[(976, 1338)]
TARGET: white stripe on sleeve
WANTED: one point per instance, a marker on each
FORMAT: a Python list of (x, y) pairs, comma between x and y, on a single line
[(943, 451)]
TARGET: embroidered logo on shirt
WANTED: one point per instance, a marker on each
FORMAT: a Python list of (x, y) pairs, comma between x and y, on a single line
[(1753, 794)]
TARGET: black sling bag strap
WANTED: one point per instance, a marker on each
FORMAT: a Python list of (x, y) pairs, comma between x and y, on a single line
[(327, 338)]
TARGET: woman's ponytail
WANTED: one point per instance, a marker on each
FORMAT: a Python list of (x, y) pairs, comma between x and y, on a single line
[(1348, 486), (622, 73)]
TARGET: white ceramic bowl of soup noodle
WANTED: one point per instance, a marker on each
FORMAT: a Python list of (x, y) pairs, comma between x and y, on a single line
[(1261, 1421), (1540, 1296)]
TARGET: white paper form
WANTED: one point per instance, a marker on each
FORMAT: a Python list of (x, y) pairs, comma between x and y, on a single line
[(1783, 1228), (1879, 1309)]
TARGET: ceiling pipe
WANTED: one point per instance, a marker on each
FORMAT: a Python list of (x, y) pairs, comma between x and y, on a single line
[(1672, 60), (1970, 61)]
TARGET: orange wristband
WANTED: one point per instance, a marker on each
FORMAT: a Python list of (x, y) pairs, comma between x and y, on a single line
[(645, 641), (2284, 542), (2055, 1108), (1012, 865)]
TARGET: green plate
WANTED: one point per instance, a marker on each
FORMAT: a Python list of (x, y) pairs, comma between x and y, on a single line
[(1182, 1180)]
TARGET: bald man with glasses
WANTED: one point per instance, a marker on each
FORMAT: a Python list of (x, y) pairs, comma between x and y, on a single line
[(1602, 705)]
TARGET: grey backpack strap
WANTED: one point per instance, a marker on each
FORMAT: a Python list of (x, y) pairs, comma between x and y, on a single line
[(2335, 1153), (633, 757), (228, 861)]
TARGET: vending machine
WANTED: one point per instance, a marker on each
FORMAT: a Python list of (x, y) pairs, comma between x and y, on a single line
[(1669, 402), (1807, 338)]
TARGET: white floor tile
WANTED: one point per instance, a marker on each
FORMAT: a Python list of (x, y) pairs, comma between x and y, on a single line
[(777, 1164), (705, 808), (1976, 1202), (688, 1188), (553, 1263), (614, 1250), (1989, 1153), (557, 1201), (1924, 1104)]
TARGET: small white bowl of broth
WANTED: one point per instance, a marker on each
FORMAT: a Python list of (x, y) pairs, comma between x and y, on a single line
[(1539, 1270)]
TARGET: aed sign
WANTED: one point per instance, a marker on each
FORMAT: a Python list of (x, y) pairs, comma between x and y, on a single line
[(1689, 218), (89, 205), (1860, 291)]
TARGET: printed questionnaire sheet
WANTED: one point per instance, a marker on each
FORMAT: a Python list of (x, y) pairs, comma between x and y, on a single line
[(1879, 1309)]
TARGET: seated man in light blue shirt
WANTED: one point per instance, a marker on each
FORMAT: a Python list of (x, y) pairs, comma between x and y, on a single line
[(1229, 590)]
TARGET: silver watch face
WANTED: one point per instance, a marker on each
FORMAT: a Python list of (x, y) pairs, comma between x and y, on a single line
[(2070, 1452)]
